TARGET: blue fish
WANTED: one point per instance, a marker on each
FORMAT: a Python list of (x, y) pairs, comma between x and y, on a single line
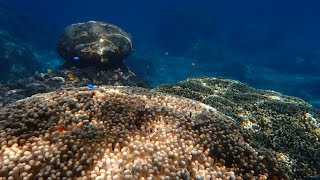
[(90, 86), (76, 58)]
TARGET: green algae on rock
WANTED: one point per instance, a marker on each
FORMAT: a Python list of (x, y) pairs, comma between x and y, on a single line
[(285, 125), (126, 133)]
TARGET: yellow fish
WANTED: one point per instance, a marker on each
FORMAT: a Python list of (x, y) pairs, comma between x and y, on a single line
[(49, 71), (71, 76)]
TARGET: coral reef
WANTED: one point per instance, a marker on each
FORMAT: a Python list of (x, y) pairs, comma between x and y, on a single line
[(126, 133), (94, 43), (285, 125), (16, 58), (64, 78)]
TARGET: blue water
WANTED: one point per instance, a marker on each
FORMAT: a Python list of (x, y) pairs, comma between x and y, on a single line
[(267, 44)]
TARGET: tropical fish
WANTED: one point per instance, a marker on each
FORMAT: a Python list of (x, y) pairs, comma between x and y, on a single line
[(90, 86), (76, 58), (49, 71), (193, 64), (71, 76)]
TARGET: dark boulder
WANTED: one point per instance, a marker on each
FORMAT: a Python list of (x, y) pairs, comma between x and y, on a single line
[(94, 43)]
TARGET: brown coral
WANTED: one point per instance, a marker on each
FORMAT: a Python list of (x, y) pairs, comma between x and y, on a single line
[(125, 133)]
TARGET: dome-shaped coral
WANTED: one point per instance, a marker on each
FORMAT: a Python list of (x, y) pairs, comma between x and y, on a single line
[(127, 133)]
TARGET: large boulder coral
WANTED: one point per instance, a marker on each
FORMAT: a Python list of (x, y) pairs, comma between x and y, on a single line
[(285, 125), (126, 133), (94, 43), (16, 58)]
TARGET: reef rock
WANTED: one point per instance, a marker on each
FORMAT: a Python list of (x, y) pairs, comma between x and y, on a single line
[(94, 43), (126, 133), (284, 125), (16, 59), (65, 78)]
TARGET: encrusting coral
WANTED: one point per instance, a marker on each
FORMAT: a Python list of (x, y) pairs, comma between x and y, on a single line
[(287, 126), (125, 133)]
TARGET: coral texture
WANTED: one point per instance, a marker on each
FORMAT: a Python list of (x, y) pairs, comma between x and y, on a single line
[(284, 125), (125, 133)]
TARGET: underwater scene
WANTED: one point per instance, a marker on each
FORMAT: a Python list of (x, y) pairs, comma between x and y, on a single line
[(159, 90)]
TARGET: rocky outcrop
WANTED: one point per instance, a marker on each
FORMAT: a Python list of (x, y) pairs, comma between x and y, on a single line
[(65, 78), (94, 43)]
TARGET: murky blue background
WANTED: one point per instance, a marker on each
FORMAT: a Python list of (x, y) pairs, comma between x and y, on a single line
[(267, 44)]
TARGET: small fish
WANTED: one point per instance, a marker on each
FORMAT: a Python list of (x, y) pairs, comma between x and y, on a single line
[(71, 76), (49, 71), (193, 64), (166, 53), (73, 67), (60, 128), (76, 58), (90, 86)]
